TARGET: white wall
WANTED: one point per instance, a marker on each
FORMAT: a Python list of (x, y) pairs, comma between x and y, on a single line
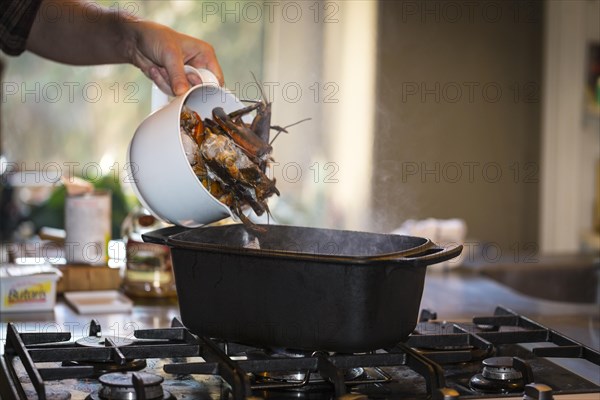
[(570, 137)]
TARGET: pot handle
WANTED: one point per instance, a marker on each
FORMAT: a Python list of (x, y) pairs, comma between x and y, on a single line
[(160, 99), (430, 255), (161, 236)]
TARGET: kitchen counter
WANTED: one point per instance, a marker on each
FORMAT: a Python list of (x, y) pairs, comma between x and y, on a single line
[(463, 293), (456, 295), (145, 314)]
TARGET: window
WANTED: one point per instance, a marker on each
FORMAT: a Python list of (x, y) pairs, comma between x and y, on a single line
[(304, 52), (82, 118)]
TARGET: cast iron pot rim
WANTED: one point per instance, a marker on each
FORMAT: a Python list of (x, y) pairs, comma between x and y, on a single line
[(395, 257)]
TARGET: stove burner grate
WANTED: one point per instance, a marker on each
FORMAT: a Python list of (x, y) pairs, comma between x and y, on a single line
[(331, 368), (32, 348), (421, 357)]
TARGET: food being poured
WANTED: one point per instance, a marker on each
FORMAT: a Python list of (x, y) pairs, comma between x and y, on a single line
[(230, 157)]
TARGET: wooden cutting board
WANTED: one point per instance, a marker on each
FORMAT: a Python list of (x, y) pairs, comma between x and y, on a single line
[(88, 277)]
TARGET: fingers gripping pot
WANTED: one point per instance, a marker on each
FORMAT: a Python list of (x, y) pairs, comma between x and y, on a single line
[(300, 288), (160, 172)]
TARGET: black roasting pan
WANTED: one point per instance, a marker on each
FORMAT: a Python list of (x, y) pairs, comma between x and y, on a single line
[(300, 288)]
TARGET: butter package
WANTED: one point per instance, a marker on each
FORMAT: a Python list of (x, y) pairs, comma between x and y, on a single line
[(28, 288)]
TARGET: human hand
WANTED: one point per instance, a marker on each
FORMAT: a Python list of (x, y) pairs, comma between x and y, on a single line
[(161, 52)]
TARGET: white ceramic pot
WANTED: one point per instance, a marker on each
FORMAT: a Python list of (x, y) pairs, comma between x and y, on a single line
[(159, 171)]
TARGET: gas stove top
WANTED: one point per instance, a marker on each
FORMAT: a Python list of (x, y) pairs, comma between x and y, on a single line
[(504, 355)]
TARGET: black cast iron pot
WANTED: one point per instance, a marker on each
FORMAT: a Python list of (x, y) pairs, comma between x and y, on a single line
[(300, 288)]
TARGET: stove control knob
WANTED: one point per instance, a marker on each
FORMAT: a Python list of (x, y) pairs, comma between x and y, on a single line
[(538, 391)]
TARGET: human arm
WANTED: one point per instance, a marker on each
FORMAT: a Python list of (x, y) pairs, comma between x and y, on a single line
[(84, 33)]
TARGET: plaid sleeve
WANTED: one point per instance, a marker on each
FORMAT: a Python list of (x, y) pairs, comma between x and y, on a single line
[(16, 19)]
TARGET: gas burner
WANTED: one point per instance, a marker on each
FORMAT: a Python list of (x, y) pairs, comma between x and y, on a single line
[(103, 341), (131, 386), (286, 353), (96, 339), (304, 380), (499, 375), (298, 377), (105, 367)]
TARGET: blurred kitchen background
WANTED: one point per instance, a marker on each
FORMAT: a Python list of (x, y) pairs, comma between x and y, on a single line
[(486, 111)]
